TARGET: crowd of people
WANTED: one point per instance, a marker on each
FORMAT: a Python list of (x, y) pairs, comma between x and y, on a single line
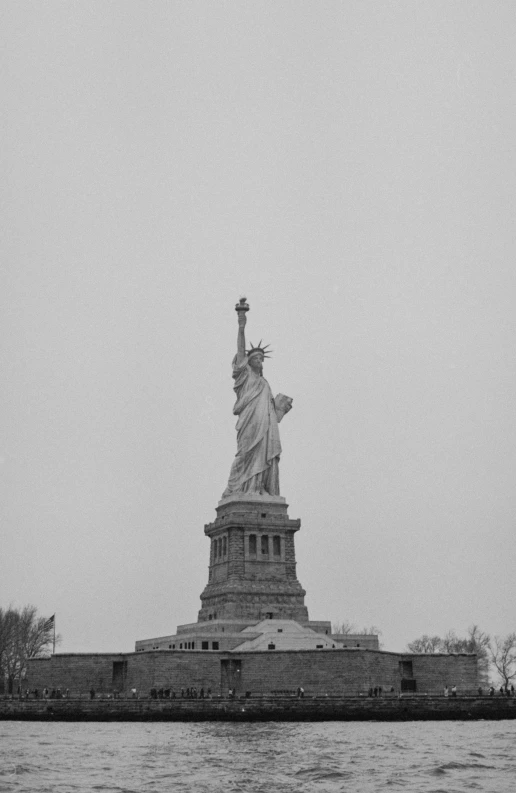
[(46, 693), (206, 693), (186, 693), (504, 691), (377, 691)]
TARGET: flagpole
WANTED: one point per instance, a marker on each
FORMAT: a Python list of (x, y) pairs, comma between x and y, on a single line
[(54, 644)]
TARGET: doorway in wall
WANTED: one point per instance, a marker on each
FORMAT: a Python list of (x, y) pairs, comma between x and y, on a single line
[(119, 675), (230, 675)]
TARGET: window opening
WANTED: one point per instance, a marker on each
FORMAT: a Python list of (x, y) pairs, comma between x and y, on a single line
[(252, 544), (276, 545), (265, 543)]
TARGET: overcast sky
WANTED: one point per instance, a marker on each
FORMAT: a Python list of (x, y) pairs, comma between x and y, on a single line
[(350, 168)]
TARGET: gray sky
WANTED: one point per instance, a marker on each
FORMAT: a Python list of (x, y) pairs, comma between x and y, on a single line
[(350, 167)]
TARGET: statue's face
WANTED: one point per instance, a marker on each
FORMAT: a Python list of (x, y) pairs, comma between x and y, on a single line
[(256, 363)]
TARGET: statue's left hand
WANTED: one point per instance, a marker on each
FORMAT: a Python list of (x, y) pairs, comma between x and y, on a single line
[(282, 405)]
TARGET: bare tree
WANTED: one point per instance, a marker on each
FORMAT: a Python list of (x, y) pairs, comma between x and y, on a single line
[(373, 630), (479, 642), (503, 655), (425, 644), (23, 635), (4, 644), (344, 628), (451, 643), (347, 627)]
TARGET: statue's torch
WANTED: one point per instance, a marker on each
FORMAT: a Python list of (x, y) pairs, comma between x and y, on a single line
[(241, 306)]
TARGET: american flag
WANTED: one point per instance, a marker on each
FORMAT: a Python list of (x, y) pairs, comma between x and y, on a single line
[(49, 623)]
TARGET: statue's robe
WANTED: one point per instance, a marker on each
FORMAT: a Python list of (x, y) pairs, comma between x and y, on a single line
[(255, 467)]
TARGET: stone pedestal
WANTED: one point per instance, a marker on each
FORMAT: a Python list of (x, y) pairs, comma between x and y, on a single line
[(252, 570)]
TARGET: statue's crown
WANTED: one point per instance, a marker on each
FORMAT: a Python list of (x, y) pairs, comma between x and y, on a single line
[(254, 350)]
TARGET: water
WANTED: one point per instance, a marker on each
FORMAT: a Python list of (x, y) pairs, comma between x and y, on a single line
[(419, 757)]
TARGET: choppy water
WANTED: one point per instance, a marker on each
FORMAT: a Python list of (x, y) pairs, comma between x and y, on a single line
[(420, 757)]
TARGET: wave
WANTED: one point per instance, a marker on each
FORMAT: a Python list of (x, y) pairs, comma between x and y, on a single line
[(463, 766)]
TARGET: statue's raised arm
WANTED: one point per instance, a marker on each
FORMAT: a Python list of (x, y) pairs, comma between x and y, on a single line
[(255, 467), (241, 308)]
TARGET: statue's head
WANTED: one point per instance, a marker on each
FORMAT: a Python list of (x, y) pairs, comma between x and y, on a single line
[(256, 357), (256, 362)]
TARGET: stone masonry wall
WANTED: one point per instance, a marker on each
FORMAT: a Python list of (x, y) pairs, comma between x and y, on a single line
[(438, 671), (290, 555), (78, 673), (236, 567), (262, 708), (319, 672)]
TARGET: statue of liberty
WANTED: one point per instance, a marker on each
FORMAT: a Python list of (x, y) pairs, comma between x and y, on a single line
[(255, 467)]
